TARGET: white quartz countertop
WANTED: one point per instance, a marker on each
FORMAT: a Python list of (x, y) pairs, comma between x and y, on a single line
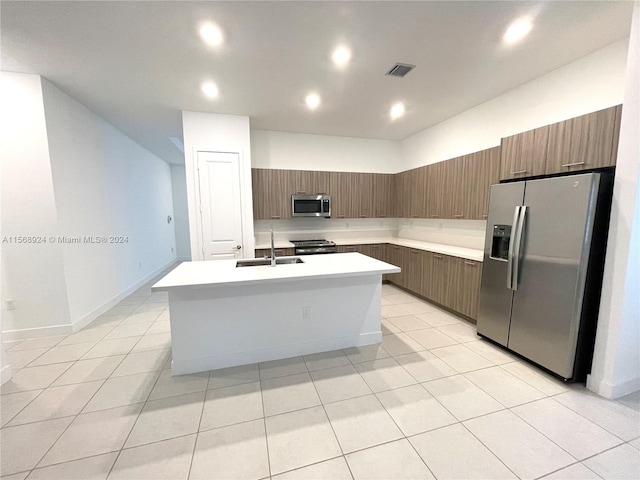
[(224, 272), (452, 250)]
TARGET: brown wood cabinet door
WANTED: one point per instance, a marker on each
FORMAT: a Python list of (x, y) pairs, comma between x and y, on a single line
[(418, 192), (377, 251), (413, 261), (441, 284), (489, 174), (437, 190), (362, 195), (403, 194), (258, 191), (462, 171), (465, 278), (310, 182), (341, 193), (524, 155), (280, 252), (383, 191), (616, 135), (272, 191), (395, 254), (584, 142), (428, 281)]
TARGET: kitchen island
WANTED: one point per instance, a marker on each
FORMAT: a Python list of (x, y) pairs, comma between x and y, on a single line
[(222, 315)]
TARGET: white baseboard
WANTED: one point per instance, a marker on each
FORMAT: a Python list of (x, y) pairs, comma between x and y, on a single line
[(611, 391), (50, 331), (5, 374), (90, 317), (54, 330)]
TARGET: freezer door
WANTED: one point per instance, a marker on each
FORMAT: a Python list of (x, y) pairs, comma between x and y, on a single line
[(546, 307), (495, 297)]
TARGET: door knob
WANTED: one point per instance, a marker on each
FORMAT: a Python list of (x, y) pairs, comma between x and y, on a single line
[(238, 247)]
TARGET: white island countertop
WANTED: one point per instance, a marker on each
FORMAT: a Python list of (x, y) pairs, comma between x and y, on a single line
[(225, 273)]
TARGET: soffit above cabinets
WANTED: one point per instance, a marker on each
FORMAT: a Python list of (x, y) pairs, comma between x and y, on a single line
[(138, 64)]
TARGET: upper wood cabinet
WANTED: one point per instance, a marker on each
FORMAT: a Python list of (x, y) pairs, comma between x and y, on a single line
[(272, 191), (310, 182), (402, 186), (383, 195), (476, 173), (523, 155), (438, 181), (585, 142), (341, 191)]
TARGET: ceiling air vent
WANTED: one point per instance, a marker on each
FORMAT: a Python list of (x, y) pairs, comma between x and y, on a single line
[(400, 69)]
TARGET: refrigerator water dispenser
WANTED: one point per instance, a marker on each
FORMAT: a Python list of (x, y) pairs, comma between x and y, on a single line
[(500, 244)]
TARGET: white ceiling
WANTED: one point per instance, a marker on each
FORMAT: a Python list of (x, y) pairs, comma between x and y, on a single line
[(138, 64)]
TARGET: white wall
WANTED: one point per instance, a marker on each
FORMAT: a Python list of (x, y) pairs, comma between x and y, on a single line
[(35, 272), (106, 185), (180, 211), (591, 83), (217, 133), (616, 363), (297, 151)]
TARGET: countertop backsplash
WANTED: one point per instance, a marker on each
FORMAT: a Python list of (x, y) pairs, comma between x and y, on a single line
[(461, 233)]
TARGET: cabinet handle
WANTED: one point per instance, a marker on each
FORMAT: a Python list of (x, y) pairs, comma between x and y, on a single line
[(275, 217), (470, 263), (382, 216), (485, 215), (519, 171), (301, 192), (362, 216), (572, 164), (458, 216), (340, 216), (435, 216), (415, 251), (439, 257)]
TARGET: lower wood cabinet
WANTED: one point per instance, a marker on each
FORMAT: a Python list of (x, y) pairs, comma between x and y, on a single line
[(280, 252), (452, 282), (464, 283)]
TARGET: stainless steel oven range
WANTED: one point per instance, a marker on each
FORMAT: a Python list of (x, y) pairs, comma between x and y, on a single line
[(313, 247)]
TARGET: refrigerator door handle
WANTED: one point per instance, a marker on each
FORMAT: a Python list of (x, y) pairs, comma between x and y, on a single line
[(518, 247), (512, 246)]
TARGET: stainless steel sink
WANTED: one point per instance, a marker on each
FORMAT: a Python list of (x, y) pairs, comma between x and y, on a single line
[(260, 262)]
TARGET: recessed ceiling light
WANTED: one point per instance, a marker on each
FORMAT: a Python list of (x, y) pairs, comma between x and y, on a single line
[(211, 34), (341, 56), (313, 101), (210, 89), (397, 110), (517, 30)]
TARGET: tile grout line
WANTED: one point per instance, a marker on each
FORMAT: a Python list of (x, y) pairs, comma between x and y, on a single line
[(195, 443), (264, 419), (134, 423)]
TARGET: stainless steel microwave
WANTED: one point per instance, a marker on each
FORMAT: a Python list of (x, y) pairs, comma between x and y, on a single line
[(310, 205)]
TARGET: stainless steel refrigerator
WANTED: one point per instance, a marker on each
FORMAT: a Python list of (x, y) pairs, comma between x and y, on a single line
[(542, 272)]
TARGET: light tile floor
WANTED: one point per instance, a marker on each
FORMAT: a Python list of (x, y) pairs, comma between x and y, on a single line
[(432, 401)]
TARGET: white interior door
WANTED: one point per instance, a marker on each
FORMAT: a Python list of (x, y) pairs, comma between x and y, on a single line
[(220, 205)]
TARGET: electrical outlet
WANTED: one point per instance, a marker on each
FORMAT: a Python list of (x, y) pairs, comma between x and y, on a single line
[(9, 304), (306, 312)]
